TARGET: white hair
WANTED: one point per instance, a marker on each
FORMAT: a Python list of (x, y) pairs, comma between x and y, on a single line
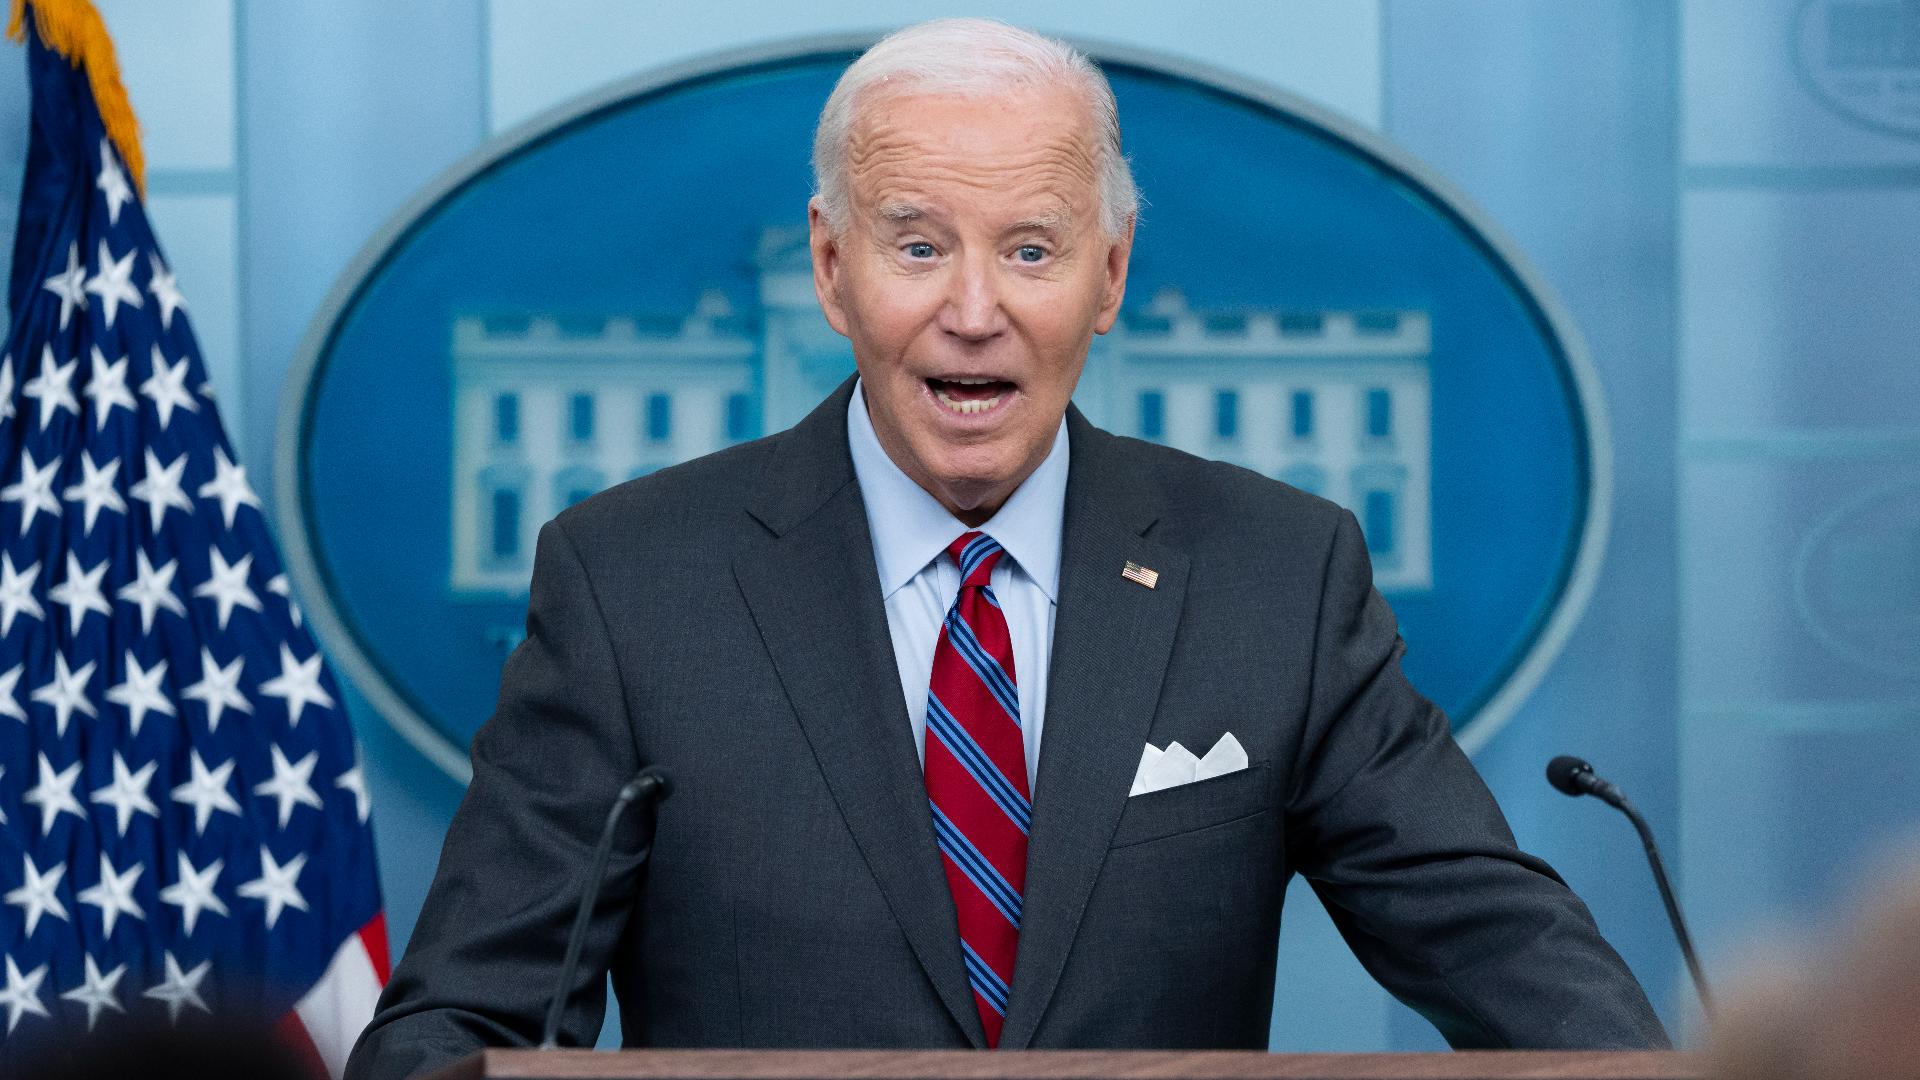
[(970, 57)]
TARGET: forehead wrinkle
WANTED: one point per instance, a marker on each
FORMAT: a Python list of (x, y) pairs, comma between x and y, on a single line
[(883, 154), (1043, 196), (908, 166)]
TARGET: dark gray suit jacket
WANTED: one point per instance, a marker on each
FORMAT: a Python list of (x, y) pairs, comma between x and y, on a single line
[(723, 618)]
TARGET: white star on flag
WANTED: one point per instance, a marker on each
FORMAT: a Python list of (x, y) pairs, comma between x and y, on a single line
[(292, 783), (128, 792), (108, 389), (22, 994), (53, 387), (227, 586), (54, 794), (193, 893), (39, 894), (97, 490), (67, 693), (298, 684), (160, 488), (275, 885), (161, 284), (181, 989), (206, 792), (279, 586), (33, 491), (10, 699), (70, 285), (113, 283), (229, 485), (79, 593), (151, 590), (112, 184), (16, 593), (141, 693), (167, 388), (97, 992), (354, 782), (219, 688), (113, 894)]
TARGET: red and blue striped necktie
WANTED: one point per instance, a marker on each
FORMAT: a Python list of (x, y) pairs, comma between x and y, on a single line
[(976, 769)]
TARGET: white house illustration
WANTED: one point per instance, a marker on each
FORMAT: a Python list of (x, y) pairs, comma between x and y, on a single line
[(546, 413)]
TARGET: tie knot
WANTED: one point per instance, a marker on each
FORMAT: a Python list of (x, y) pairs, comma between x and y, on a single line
[(975, 553)]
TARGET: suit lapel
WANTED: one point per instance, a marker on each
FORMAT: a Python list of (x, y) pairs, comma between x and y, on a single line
[(814, 593), (1111, 643)]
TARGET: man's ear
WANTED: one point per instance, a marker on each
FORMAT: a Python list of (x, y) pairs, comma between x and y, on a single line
[(826, 265), (1119, 254)]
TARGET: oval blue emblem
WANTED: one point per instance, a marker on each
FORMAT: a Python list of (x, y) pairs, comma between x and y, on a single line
[(625, 285)]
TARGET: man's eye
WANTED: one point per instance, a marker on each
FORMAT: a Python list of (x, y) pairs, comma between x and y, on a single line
[(919, 251), (1030, 253)]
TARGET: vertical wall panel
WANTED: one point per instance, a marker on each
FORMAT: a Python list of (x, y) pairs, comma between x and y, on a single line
[(177, 61), (347, 109), (1558, 120), (1800, 309), (1800, 460), (16, 122)]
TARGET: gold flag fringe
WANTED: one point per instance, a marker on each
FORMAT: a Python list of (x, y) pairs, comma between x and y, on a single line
[(74, 29)]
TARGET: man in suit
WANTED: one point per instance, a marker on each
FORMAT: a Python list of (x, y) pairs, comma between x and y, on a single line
[(905, 660)]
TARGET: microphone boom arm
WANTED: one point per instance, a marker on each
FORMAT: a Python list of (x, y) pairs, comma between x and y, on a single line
[(652, 784), (1620, 802), (1573, 777)]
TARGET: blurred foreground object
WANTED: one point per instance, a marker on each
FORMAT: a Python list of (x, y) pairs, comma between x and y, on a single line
[(203, 1049), (183, 822), (1850, 1010)]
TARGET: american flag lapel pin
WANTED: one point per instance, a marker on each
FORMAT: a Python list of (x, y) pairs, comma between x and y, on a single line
[(1140, 575)]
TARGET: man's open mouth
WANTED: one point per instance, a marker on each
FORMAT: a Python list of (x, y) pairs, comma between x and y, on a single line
[(969, 395)]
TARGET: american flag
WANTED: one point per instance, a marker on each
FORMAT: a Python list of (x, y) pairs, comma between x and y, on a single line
[(183, 817)]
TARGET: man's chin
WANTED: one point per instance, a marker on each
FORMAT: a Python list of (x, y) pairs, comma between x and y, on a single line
[(969, 491)]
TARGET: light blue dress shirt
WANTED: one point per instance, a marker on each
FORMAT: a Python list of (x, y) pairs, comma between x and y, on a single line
[(911, 531)]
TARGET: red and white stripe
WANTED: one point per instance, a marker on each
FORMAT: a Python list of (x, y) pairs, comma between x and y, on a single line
[(326, 1021)]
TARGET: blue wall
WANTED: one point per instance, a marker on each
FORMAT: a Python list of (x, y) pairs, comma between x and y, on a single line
[(1737, 253), (1575, 160)]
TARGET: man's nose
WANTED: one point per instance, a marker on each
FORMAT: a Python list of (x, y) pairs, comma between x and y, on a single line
[(973, 310)]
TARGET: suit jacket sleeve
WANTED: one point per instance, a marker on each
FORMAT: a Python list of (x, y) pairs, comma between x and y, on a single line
[(1406, 848), (482, 960)]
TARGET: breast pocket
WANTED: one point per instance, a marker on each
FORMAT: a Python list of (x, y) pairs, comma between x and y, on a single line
[(1191, 807)]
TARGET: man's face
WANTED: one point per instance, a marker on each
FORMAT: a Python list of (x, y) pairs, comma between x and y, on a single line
[(971, 278)]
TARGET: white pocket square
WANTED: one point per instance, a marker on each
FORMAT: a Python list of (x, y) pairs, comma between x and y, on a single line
[(1176, 765)]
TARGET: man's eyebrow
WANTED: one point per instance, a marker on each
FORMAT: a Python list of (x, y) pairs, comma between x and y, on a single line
[(1054, 219)]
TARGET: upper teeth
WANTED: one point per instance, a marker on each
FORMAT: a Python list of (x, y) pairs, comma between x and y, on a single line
[(972, 382)]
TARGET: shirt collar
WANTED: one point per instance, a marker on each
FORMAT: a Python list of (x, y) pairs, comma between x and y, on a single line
[(910, 528)]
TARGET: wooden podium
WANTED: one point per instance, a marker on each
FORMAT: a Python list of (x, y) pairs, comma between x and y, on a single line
[(1068, 1065)]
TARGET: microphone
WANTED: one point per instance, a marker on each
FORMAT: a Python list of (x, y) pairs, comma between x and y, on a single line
[(1572, 776), (651, 786)]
